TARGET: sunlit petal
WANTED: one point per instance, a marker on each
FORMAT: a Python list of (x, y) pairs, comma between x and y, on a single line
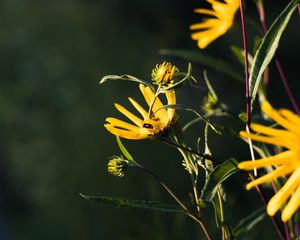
[(285, 163), (279, 158), (279, 172), (284, 193), (138, 107)]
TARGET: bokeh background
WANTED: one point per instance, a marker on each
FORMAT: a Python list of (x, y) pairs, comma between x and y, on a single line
[(53, 144)]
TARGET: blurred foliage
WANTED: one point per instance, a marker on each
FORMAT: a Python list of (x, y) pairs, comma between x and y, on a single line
[(53, 144)]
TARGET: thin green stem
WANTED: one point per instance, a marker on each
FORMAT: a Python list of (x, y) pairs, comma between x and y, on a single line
[(196, 195), (170, 143), (164, 186), (221, 214), (172, 194), (153, 101)]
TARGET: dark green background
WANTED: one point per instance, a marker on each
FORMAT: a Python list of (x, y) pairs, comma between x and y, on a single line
[(53, 144)]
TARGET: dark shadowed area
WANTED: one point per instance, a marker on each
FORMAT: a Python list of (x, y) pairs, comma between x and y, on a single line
[(53, 145)]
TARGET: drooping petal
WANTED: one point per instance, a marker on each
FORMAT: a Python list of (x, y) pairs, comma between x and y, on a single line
[(284, 193), (279, 158), (287, 162), (292, 206), (279, 172)]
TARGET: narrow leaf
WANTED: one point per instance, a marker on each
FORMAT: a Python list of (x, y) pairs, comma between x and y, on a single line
[(125, 77), (207, 61), (228, 231), (216, 177), (268, 47), (247, 223), (124, 150), (131, 203)]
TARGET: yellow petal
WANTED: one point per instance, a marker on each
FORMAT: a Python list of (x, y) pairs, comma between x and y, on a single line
[(276, 116), (290, 116), (233, 3), (292, 206), (205, 11), (125, 133), (206, 37), (284, 193), (138, 107), (162, 113), (281, 171), (279, 158), (221, 8), (270, 131), (271, 140), (171, 97), (121, 124), (206, 24), (128, 114)]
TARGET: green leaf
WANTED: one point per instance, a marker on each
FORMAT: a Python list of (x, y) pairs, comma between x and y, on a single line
[(240, 55), (243, 116), (125, 77), (217, 210), (207, 61), (268, 47), (216, 177), (209, 86), (131, 203), (124, 150), (247, 223), (228, 232)]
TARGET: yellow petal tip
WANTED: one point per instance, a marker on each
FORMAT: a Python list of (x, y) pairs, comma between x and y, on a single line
[(248, 186), (266, 107)]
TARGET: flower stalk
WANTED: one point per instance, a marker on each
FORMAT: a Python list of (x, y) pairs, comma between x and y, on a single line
[(181, 204)]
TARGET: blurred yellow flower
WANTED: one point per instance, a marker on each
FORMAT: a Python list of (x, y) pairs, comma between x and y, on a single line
[(213, 27), (163, 74), (150, 125), (284, 163)]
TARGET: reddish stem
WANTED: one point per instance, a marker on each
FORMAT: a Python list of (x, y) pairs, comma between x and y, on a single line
[(248, 102), (248, 107)]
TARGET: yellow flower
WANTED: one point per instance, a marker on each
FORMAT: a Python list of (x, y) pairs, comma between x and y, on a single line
[(211, 28), (152, 124), (163, 74), (285, 163)]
